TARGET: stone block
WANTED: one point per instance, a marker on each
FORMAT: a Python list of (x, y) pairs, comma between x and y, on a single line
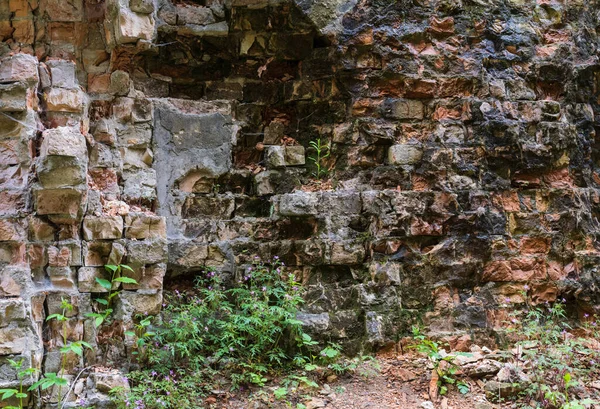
[(386, 273), (58, 257), (314, 323), (298, 204), (148, 277), (96, 253), (40, 230), (12, 202), (98, 83), (218, 207), (102, 227), (12, 310), (220, 29), (263, 183), (12, 230), (347, 253), (342, 202), (19, 68), (13, 152), (64, 100), (12, 252), (61, 171), (141, 6), (136, 303), (145, 226), (59, 10), (294, 155), (187, 254), (16, 340), (136, 158), (404, 109), (149, 251), (14, 280), (405, 154), (140, 185), (62, 73), (86, 279), (119, 83), (13, 97), (132, 26), (62, 277), (275, 156), (197, 15), (135, 136), (66, 203), (142, 111)]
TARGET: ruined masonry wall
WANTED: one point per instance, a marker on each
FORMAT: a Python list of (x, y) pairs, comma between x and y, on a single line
[(174, 136)]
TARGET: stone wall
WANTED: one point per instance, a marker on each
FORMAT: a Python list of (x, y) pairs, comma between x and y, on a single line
[(174, 136)]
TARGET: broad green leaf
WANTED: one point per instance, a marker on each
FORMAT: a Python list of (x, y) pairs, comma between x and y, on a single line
[(7, 393), (111, 268), (125, 280), (104, 283), (126, 267), (101, 301), (130, 333), (58, 317)]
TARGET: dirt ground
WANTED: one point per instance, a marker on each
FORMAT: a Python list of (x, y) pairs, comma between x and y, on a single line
[(400, 383)]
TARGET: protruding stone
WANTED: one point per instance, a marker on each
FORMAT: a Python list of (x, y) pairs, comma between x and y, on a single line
[(65, 203), (63, 141), (150, 251), (62, 73), (294, 155), (119, 83), (405, 109), (404, 154), (132, 27), (144, 226), (19, 68), (102, 227), (142, 6), (13, 97), (64, 100), (86, 279), (298, 204)]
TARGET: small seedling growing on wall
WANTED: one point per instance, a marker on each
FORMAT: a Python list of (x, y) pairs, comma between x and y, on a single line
[(322, 151)]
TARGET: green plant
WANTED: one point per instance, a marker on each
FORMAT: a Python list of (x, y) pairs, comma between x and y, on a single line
[(444, 366), (245, 331), (19, 393), (557, 362), (53, 379), (322, 152), (112, 287), (142, 336)]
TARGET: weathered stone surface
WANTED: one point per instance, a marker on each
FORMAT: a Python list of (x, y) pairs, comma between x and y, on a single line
[(19, 68), (102, 227), (144, 226), (64, 141), (86, 279), (62, 73), (132, 26), (141, 6), (64, 203), (61, 171), (149, 251), (298, 204), (64, 100), (13, 97), (404, 154)]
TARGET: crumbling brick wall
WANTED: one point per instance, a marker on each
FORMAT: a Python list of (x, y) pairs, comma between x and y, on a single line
[(174, 136)]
